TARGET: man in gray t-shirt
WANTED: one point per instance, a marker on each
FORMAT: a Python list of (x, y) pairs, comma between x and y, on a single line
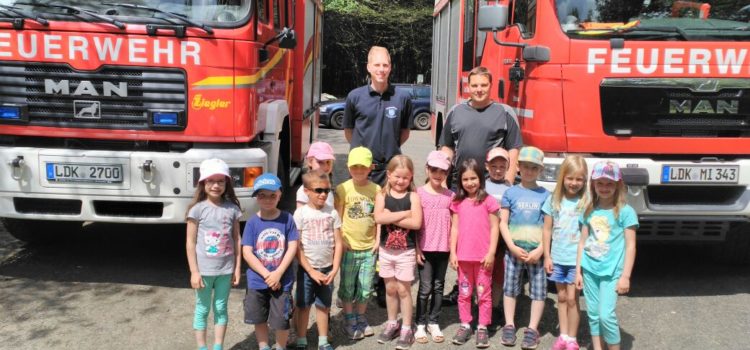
[(474, 127)]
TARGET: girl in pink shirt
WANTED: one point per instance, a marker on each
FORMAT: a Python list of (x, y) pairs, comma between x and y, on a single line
[(475, 229), (434, 241)]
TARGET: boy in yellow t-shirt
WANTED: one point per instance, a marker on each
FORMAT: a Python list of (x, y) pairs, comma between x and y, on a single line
[(355, 201)]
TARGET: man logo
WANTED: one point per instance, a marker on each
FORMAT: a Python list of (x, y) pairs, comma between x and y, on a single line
[(704, 106), (87, 109), (85, 88)]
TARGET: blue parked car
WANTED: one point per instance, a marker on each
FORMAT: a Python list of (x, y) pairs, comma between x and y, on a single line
[(332, 112)]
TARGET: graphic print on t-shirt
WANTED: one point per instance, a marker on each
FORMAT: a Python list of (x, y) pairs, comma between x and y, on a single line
[(396, 237), (270, 247), (600, 230), (361, 208), (212, 240)]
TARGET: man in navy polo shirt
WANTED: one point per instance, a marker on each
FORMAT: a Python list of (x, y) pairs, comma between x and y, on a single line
[(376, 116)]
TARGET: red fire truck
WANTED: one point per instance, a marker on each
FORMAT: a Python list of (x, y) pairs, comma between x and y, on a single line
[(107, 108), (659, 86)]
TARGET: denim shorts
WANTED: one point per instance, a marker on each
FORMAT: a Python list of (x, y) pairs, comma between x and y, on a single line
[(310, 292), (563, 274)]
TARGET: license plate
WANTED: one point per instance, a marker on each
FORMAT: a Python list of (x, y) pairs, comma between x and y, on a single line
[(91, 173), (712, 174)]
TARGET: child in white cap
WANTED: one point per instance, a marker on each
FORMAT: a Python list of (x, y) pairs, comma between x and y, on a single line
[(213, 246)]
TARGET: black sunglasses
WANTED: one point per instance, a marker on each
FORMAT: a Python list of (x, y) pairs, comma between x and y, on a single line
[(320, 190)]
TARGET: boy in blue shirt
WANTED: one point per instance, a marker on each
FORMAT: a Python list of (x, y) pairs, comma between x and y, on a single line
[(269, 245), (521, 225)]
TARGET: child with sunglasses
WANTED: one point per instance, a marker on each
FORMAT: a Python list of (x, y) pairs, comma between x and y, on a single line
[(319, 257)]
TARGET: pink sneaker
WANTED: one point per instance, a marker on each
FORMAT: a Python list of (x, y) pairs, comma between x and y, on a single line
[(572, 345), (560, 344)]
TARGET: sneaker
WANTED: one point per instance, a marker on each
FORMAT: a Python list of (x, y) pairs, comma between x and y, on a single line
[(483, 339), (298, 346), (508, 336), (325, 347), (363, 326), (560, 344), (353, 331), (572, 345), (405, 339), (420, 336), (530, 339), (390, 332), (463, 334)]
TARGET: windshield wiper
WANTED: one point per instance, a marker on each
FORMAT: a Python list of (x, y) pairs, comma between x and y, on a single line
[(34, 17), (182, 18), (77, 11), (660, 29), (634, 30)]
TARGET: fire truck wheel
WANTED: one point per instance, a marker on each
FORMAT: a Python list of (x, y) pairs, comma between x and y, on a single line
[(337, 120), (422, 121), (736, 248), (40, 231)]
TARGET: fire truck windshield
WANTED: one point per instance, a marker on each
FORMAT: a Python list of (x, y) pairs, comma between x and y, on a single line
[(655, 19), (219, 13)]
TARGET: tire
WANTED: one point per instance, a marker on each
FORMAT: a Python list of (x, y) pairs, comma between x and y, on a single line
[(422, 121), (736, 248), (337, 120), (40, 231)]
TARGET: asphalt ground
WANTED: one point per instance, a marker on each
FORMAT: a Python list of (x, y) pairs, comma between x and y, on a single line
[(127, 287)]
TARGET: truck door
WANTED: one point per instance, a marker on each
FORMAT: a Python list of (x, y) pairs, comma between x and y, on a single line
[(521, 30)]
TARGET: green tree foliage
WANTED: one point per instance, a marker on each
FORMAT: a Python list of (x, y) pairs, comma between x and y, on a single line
[(351, 27)]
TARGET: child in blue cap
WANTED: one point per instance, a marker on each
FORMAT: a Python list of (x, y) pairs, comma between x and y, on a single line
[(269, 244)]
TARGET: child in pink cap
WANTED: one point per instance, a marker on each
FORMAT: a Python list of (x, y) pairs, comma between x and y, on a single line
[(319, 158), (434, 242)]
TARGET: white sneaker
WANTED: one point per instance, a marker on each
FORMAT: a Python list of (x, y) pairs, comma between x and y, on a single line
[(421, 335), (435, 332)]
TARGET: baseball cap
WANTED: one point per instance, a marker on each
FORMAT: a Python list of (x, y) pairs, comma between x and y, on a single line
[(497, 152), (359, 156), (531, 154), (267, 181), (211, 167), (437, 159), (606, 170), (320, 151)]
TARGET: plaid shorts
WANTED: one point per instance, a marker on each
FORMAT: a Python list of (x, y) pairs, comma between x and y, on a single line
[(537, 278), (357, 273)]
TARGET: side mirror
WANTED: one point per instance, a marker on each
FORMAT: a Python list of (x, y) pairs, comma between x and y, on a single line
[(492, 18), (536, 54), (287, 38)]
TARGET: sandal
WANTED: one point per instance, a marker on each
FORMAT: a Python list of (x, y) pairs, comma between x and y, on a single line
[(420, 336), (436, 333)]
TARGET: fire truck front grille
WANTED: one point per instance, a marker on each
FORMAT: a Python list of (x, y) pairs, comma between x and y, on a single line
[(47, 206), (109, 98), (683, 230), (129, 209), (676, 107)]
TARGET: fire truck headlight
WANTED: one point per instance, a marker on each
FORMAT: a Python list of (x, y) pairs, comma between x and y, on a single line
[(249, 174), (549, 174)]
